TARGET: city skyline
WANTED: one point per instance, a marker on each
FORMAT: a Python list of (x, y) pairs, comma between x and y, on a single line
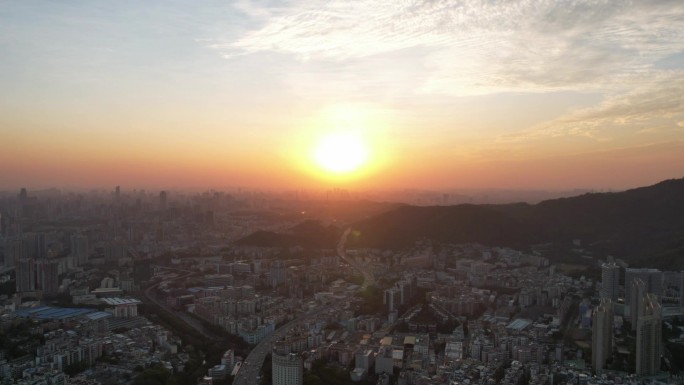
[(517, 95)]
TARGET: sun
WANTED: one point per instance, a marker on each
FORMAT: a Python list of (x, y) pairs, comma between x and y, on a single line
[(340, 152)]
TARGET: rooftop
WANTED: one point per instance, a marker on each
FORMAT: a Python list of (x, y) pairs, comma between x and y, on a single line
[(52, 313), (121, 301)]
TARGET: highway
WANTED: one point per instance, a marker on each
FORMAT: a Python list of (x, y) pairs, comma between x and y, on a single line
[(368, 278), (152, 298), (252, 364), (192, 322), (251, 367)]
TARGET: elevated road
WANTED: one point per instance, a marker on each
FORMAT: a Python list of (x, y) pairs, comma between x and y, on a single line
[(367, 273), (251, 367), (249, 371), (150, 297)]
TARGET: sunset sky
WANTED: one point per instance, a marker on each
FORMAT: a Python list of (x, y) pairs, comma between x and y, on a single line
[(439, 94)]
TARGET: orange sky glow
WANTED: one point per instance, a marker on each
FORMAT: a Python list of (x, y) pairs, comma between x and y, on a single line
[(244, 94)]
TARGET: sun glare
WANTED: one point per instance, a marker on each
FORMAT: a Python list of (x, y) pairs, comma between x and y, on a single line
[(340, 152)]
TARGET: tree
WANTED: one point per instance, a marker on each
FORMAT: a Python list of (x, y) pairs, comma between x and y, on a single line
[(8, 288), (75, 368), (155, 375)]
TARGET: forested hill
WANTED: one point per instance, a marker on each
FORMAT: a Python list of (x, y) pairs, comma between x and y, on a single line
[(643, 225)]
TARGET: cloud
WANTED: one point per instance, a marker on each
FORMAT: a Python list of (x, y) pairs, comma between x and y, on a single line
[(656, 106), (474, 47)]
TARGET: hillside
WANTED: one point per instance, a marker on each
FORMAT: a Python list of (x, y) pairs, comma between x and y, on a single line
[(643, 224), (309, 233)]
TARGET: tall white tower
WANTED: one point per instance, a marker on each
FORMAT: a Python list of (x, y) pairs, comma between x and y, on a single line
[(602, 334), (649, 336), (610, 281), (287, 369)]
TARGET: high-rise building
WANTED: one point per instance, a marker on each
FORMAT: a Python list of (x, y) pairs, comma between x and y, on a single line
[(141, 272), (649, 336), (653, 278), (163, 200), (681, 289), (392, 298), (26, 275), (47, 276), (672, 289), (610, 281), (287, 369), (364, 359), (115, 250), (406, 290), (228, 359), (602, 334), (40, 248), (14, 251), (79, 248), (278, 273), (637, 289)]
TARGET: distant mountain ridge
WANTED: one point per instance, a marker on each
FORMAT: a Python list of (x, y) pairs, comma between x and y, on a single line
[(643, 225), (309, 233)]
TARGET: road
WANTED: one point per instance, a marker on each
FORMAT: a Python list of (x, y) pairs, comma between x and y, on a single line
[(152, 297), (192, 322), (252, 364), (368, 278)]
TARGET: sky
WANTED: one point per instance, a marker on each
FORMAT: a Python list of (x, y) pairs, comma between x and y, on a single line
[(439, 94)]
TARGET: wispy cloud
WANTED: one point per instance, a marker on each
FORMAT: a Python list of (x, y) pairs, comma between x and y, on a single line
[(654, 107), (475, 46)]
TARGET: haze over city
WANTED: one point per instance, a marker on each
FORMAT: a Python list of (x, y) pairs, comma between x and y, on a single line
[(342, 192), (380, 95)]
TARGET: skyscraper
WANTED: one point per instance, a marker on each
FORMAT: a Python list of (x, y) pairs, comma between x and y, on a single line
[(287, 369), (14, 251), (278, 273), (79, 248), (115, 250), (681, 289), (672, 288), (637, 290), (163, 200), (47, 276), (653, 278), (649, 335), (392, 298), (26, 275), (40, 248), (610, 281), (602, 334)]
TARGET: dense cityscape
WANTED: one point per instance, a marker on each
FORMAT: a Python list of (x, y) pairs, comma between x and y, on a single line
[(111, 287), (365, 192)]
